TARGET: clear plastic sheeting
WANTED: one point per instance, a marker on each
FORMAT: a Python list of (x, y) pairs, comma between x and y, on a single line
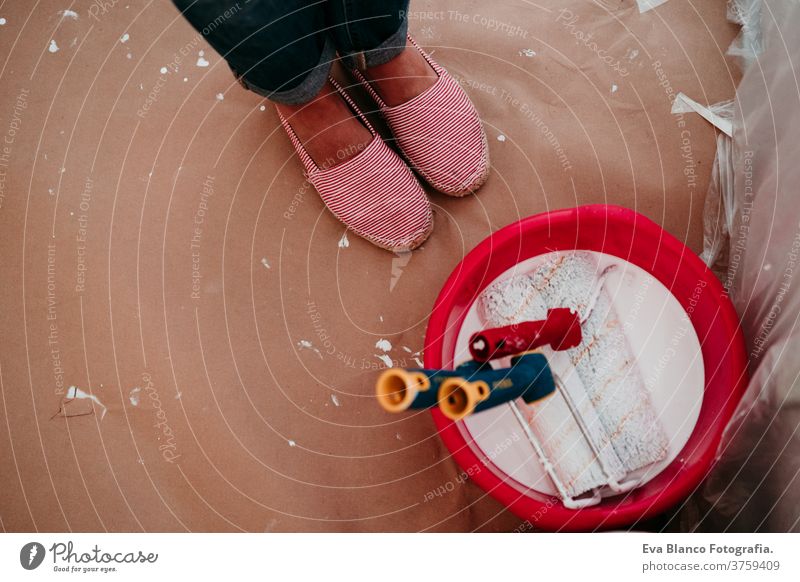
[(719, 211), (749, 44), (755, 485)]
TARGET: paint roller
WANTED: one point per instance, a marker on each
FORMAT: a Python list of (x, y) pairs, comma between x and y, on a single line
[(470, 388), (600, 427)]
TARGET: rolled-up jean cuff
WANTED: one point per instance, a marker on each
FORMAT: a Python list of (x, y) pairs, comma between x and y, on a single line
[(389, 48), (307, 89), (384, 52)]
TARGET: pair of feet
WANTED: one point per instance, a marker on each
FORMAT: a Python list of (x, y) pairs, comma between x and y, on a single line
[(327, 127), (365, 183)]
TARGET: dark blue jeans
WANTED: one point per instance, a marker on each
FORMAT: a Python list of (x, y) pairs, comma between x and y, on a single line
[(283, 49)]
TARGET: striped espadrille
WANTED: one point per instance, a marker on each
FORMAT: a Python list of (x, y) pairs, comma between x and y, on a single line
[(373, 193), (439, 133)]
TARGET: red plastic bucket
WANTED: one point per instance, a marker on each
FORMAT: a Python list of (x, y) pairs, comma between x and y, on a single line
[(622, 233)]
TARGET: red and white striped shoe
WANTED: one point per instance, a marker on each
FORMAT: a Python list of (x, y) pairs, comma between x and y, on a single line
[(374, 193), (439, 132)]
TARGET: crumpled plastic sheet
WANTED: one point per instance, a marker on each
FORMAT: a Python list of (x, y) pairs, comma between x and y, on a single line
[(719, 212), (753, 226), (749, 44)]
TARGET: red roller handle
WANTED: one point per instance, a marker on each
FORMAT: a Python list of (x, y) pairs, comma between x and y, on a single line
[(561, 330)]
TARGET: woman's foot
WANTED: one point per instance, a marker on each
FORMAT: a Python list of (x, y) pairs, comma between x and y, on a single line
[(359, 178), (433, 120), (327, 128)]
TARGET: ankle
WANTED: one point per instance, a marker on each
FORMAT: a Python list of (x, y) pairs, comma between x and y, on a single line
[(327, 128), (402, 78)]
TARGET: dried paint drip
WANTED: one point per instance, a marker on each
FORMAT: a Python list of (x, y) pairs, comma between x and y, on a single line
[(76, 402), (307, 345), (387, 361), (384, 345)]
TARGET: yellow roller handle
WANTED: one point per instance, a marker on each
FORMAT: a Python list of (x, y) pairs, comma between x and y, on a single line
[(397, 389), (458, 397)]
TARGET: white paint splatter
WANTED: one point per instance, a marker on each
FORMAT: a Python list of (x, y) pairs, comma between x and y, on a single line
[(633, 54), (383, 344), (220, 97), (397, 436), (163, 70), (381, 318), (69, 14), (527, 53), (185, 79), (125, 38), (614, 89), (263, 108), (645, 5), (344, 242), (292, 443), (2, 21), (73, 393), (419, 362), (129, 55), (386, 360), (201, 62), (767, 267), (501, 137), (307, 345), (133, 396), (407, 349), (335, 400), (53, 48), (265, 262), (399, 262)]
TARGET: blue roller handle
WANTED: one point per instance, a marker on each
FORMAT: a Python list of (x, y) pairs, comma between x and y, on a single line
[(471, 387)]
